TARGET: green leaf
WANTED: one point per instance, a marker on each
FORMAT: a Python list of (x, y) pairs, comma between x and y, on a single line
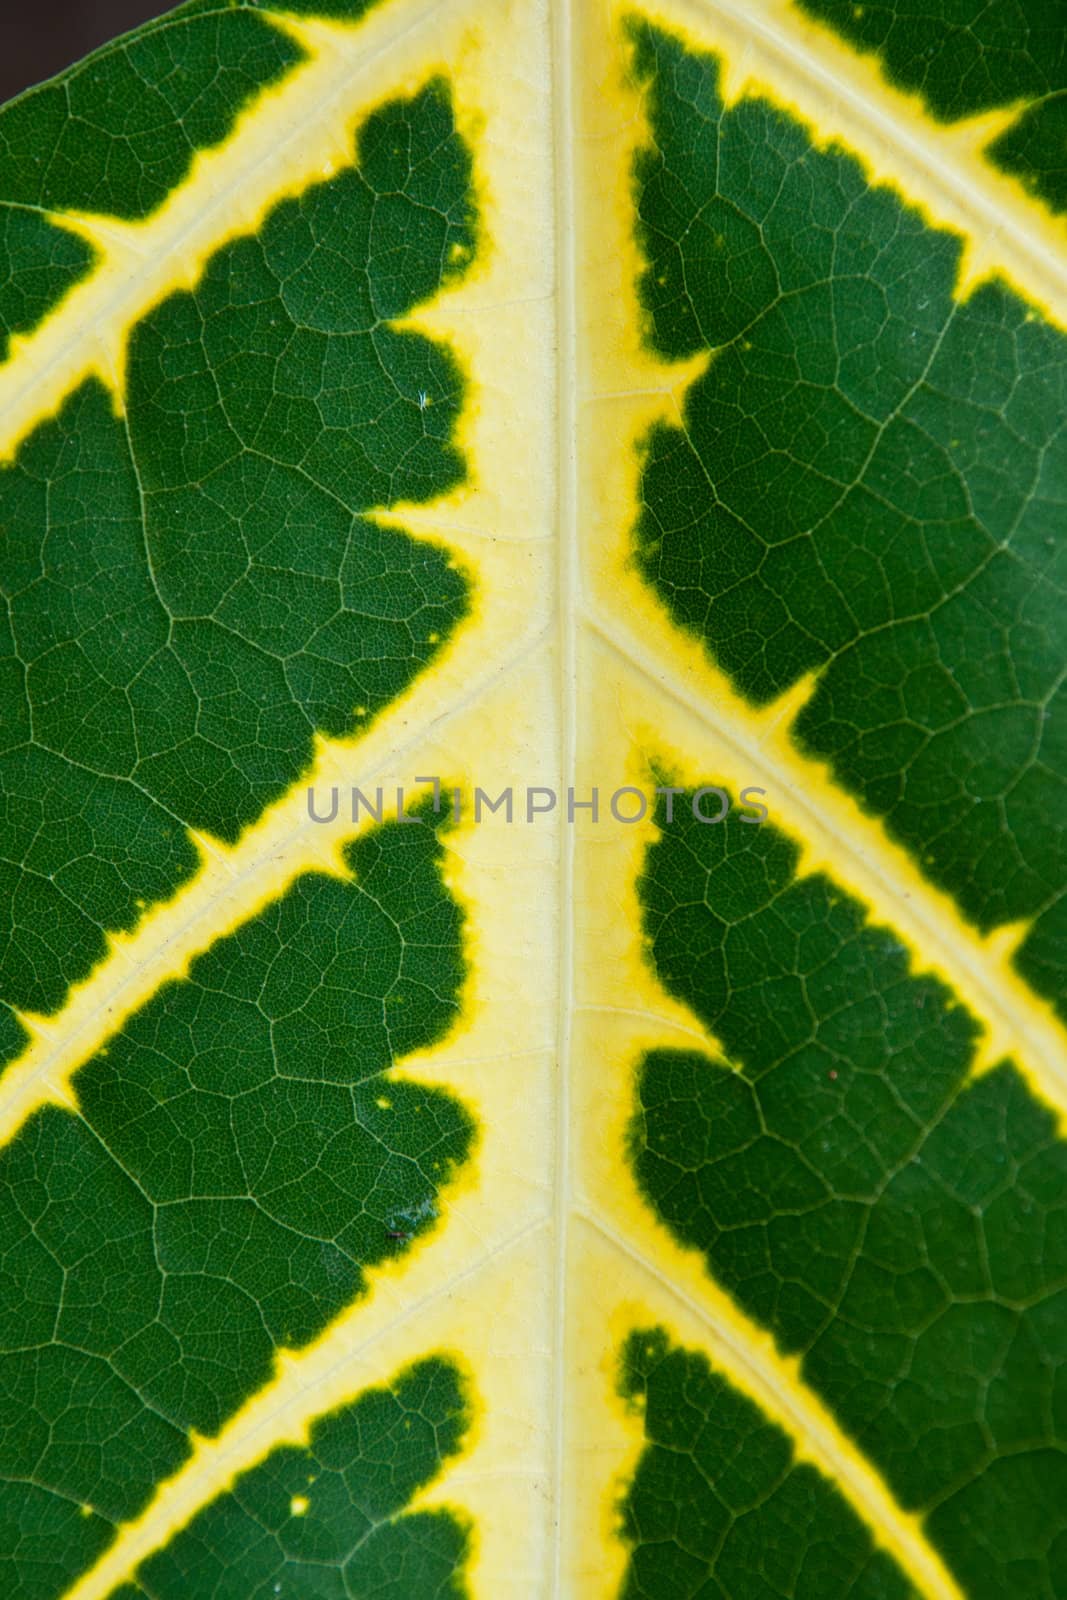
[(533, 933)]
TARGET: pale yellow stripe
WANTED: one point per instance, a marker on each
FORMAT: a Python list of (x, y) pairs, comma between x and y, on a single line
[(567, 219)]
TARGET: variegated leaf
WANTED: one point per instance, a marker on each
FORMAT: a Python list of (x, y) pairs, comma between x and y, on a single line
[(533, 921)]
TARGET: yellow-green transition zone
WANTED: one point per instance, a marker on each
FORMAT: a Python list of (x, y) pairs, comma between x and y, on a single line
[(216, 563)]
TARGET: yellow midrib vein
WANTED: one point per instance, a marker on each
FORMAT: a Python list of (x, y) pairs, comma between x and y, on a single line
[(563, 131)]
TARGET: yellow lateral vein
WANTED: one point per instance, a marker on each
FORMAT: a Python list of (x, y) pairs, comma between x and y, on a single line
[(234, 883), (839, 839), (305, 1384), (843, 95), (747, 1355)]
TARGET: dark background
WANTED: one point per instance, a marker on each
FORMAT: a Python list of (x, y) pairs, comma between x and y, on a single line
[(41, 37)]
